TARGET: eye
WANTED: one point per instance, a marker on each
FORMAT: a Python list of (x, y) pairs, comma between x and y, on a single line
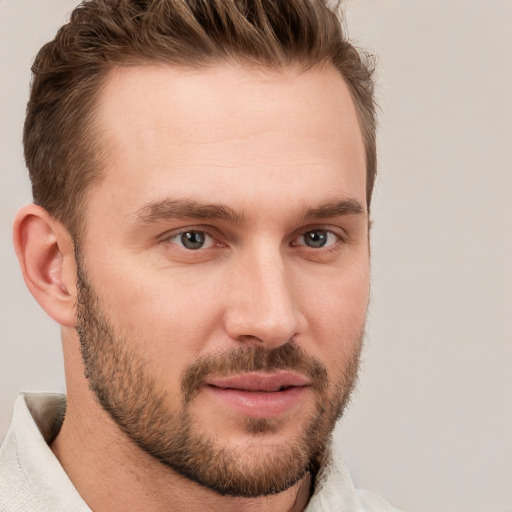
[(317, 238), (193, 240)]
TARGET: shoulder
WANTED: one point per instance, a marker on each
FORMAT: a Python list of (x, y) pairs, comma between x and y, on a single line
[(31, 477), (371, 502), (334, 488)]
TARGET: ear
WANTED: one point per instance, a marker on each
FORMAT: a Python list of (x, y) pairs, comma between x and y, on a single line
[(370, 226), (47, 259)]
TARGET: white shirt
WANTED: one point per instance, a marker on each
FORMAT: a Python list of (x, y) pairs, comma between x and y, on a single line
[(32, 479)]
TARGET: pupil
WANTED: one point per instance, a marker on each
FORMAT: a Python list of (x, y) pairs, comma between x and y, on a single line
[(192, 239), (316, 238)]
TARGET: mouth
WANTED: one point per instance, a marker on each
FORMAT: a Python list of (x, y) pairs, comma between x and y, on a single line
[(260, 395)]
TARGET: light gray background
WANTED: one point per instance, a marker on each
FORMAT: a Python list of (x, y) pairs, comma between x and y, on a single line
[(430, 427)]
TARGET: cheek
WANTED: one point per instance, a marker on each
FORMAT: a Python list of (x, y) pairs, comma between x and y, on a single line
[(337, 314), (164, 319)]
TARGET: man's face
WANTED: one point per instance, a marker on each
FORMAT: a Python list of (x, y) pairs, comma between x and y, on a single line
[(223, 270)]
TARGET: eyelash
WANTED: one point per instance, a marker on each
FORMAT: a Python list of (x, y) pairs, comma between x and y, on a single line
[(328, 232), (173, 236), (339, 238)]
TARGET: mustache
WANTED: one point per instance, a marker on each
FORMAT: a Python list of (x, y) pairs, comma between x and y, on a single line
[(253, 359)]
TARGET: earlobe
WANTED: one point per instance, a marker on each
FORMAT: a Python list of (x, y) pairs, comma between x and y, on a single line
[(45, 252)]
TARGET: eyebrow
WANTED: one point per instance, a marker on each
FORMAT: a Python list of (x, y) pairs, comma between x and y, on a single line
[(185, 209), (191, 209), (336, 208)]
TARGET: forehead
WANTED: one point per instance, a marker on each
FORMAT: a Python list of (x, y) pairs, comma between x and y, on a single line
[(175, 131)]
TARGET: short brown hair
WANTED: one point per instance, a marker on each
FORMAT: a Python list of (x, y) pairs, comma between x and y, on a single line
[(62, 151)]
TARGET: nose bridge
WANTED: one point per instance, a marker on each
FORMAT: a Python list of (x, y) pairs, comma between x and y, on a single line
[(264, 307)]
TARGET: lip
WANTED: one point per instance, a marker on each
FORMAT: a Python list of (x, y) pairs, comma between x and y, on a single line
[(260, 395)]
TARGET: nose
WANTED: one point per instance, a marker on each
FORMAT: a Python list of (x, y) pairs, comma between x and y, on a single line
[(264, 304)]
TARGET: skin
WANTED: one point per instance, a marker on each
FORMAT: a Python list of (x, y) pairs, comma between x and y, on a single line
[(273, 147)]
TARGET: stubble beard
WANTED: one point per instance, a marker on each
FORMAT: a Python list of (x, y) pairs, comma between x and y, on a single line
[(125, 386)]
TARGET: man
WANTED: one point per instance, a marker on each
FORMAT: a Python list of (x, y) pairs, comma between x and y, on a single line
[(202, 175)]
